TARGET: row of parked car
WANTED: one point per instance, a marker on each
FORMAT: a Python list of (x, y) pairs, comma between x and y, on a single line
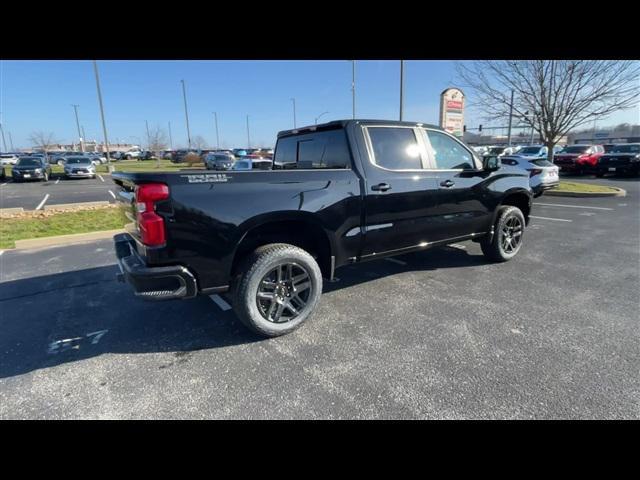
[(37, 167), (597, 160)]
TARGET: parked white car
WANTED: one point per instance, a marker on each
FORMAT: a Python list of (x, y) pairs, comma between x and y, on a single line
[(8, 159), (131, 154), (543, 174)]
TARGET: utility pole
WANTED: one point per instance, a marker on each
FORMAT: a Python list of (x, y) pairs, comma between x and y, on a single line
[(170, 139), (104, 125), (401, 87), (148, 136), (186, 113), (353, 86), (294, 112), (248, 137), (510, 117), (215, 116), (75, 108)]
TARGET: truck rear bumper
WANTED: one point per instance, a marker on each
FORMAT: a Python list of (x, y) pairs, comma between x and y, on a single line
[(152, 283)]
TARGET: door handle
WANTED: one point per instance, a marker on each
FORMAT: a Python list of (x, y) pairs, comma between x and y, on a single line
[(447, 183), (381, 187)]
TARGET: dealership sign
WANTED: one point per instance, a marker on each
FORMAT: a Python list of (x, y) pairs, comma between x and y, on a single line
[(452, 111)]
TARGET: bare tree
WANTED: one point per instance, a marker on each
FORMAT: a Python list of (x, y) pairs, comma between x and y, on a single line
[(198, 142), (552, 96), (157, 141), (42, 140)]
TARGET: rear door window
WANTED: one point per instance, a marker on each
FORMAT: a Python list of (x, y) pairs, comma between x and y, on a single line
[(395, 148)]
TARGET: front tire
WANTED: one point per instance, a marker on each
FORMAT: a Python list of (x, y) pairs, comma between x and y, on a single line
[(278, 289), (507, 237)]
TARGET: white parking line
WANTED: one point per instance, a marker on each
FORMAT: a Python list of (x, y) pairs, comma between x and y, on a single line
[(44, 200), (112, 194), (554, 219), (100, 177), (3, 185), (57, 181), (395, 260), (218, 300), (571, 206), (1, 252)]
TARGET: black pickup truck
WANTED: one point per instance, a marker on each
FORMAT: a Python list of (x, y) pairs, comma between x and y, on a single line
[(338, 193)]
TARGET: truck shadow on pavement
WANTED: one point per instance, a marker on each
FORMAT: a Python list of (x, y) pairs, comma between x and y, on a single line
[(72, 316)]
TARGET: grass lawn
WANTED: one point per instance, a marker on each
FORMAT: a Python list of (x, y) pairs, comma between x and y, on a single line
[(63, 223), (577, 187)]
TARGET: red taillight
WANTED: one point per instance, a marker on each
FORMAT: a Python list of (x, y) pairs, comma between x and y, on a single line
[(150, 224), (534, 171)]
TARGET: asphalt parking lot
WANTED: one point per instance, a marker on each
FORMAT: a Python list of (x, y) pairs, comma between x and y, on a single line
[(436, 334), (58, 190)]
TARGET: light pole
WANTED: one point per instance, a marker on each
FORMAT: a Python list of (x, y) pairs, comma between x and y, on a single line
[(104, 125), (170, 139), (401, 87), (215, 117), (3, 140), (186, 113), (148, 136), (10, 141), (248, 137), (316, 120), (294, 112), (353, 86), (75, 108)]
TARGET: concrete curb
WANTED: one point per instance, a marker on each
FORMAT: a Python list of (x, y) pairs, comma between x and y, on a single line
[(66, 239), (72, 206), (618, 193), (10, 211)]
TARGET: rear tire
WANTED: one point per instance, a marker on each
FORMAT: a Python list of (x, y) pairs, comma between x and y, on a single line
[(268, 306), (507, 237)]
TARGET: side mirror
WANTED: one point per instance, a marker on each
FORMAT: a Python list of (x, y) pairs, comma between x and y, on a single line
[(491, 163)]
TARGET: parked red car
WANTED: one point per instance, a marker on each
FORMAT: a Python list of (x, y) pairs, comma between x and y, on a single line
[(579, 158)]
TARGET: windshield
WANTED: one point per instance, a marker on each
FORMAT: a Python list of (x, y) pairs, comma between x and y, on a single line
[(78, 160), (29, 162), (530, 150), (626, 149), (578, 149)]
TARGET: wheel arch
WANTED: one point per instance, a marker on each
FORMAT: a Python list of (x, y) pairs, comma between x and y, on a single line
[(301, 229)]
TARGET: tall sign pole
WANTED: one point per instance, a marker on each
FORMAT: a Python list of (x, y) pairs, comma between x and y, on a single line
[(186, 113), (104, 125)]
